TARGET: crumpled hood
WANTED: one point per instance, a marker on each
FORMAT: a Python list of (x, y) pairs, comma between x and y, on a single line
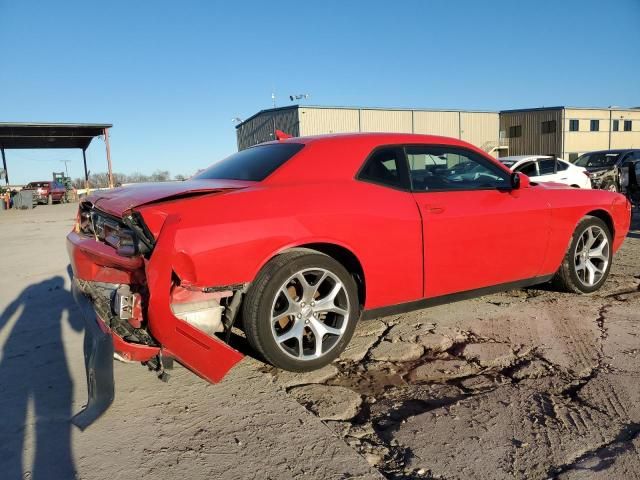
[(122, 199)]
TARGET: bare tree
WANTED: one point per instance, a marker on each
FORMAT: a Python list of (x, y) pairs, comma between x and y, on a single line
[(101, 179)]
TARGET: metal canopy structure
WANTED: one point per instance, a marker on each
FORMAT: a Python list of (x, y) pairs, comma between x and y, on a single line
[(53, 135)]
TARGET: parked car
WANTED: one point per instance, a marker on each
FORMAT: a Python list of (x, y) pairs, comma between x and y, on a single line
[(296, 240), (46, 192), (604, 166), (544, 168)]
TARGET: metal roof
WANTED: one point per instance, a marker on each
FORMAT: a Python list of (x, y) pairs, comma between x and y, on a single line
[(49, 135), (516, 110)]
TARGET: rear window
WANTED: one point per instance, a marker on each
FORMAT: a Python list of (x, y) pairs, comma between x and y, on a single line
[(253, 164), (38, 185)]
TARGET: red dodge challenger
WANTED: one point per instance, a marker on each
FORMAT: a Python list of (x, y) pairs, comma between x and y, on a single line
[(296, 240)]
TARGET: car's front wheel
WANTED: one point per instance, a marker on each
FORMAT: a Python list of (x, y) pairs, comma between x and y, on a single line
[(587, 262), (301, 310)]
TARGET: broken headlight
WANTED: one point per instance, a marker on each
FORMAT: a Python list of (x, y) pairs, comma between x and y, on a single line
[(114, 234)]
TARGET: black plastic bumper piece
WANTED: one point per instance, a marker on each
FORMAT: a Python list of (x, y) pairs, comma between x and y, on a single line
[(98, 359)]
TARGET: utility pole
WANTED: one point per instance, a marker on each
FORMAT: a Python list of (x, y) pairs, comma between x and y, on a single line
[(66, 168), (106, 142)]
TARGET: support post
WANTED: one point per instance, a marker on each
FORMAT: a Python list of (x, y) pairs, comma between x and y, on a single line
[(4, 165), (86, 172), (106, 142)]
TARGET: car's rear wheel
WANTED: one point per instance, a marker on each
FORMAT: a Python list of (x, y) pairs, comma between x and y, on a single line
[(301, 310), (587, 262)]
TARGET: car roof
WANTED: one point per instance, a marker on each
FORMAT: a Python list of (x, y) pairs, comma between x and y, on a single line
[(341, 155), (616, 150)]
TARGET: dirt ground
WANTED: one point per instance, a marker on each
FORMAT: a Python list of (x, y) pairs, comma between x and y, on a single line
[(525, 384)]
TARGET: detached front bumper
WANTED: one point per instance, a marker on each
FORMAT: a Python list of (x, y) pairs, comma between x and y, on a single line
[(158, 334), (98, 360)]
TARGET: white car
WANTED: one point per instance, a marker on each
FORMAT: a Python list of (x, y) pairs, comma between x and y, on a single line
[(544, 168)]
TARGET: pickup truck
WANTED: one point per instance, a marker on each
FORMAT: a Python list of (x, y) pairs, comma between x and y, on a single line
[(46, 192)]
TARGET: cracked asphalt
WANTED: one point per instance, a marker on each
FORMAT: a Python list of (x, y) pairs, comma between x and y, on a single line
[(529, 384)]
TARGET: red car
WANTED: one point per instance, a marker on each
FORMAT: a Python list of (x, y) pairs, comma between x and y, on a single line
[(46, 192), (298, 239)]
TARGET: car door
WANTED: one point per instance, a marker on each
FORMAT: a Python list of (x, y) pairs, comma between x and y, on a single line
[(564, 174), (477, 230), (629, 162), (547, 171)]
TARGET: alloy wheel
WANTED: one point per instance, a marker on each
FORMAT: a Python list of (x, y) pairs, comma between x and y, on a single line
[(310, 313), (591, 256)]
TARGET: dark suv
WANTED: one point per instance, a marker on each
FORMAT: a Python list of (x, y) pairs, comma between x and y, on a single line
[(604, 167)]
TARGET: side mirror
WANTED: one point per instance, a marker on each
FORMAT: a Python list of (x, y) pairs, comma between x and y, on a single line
[(519, 180)]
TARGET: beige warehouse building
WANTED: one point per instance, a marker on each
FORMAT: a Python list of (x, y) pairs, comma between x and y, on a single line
[(480, 128), (568, 132)]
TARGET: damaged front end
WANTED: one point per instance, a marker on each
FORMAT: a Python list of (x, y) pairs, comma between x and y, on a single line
[(136, 306)]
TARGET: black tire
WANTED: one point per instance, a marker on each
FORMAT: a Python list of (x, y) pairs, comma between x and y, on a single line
[(566, 278), (610, 186), (258, 303)]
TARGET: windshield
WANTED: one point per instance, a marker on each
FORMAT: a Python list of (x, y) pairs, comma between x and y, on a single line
[(253, 164), (597, 159), (508, 163), (38, 185)]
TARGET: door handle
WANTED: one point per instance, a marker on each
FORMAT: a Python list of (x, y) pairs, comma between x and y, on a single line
[(433, 209)]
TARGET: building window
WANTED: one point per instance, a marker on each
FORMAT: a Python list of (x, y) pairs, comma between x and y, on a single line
[(627, 125), (594, 126), (616, 125), (549, 126), (515, 131), (574, 125), (573, 157)]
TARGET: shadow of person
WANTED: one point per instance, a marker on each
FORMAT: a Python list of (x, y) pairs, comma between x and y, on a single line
[(34, 377)]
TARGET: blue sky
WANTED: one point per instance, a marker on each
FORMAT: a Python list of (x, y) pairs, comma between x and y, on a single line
[(171, 76)]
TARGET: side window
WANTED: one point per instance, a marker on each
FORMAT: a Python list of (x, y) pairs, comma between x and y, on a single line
[(384, 166), (547, 166), (530, 169), (631, 157), (561, 166), (450, 168)]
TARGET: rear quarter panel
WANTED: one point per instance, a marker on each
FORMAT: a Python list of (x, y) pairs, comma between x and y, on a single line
[(226, 239)]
